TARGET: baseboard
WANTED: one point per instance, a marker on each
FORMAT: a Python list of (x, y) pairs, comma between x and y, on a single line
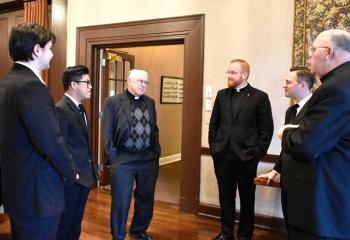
[(261, 221), (170, 159)]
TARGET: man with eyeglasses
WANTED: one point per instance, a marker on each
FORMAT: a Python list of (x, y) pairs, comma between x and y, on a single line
[(321, 145), (75, 129), (130, 133), (240, 132)]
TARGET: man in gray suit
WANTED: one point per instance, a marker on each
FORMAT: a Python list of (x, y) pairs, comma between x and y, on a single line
[(130, 132)]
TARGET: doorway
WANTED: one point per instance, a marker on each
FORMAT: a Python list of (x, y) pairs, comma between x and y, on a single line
[(190, 30), (159, 61)]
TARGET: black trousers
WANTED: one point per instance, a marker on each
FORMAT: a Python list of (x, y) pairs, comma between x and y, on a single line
[(284, 206), (0, 189), (27, 228), (75, 201), (129, 168), (232, 173)]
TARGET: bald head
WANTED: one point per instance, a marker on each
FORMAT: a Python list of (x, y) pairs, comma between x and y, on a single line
[(330, 49), (336, 37)]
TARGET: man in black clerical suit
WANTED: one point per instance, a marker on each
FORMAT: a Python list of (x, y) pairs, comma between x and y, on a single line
[(33, 155), (130, 132), (320, 146), (74, 125), (297, 86), (240, 133)]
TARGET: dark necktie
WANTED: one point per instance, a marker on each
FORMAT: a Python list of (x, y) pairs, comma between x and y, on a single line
[(293, 113), (82, 112)]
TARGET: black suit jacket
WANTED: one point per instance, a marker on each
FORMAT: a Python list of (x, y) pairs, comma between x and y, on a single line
[(283, 163), (34, 158), (248, 132), (75, 132), (321, 146), (116, 124)]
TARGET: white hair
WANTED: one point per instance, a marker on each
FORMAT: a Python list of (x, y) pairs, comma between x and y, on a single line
[(338, 37), (138, 73)]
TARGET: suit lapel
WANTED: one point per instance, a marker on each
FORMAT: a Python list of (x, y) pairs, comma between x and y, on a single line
[(229, 103), (300, 115), (150, 110), (242, 101), (76, 111), (126, 106)]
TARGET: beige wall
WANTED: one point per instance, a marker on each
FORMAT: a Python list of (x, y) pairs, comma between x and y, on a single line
[(163, 61), (259, 31)]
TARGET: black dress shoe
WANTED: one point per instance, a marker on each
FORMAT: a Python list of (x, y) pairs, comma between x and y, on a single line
[(222, 237), (140, 236)]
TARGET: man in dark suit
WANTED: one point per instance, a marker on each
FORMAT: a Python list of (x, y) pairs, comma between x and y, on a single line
[(240, 133), (130, 132), (34, 157), (74, 126), (297, 86), (320, 146)]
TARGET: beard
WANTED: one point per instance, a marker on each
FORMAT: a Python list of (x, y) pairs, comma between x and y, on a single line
[(232, 84)]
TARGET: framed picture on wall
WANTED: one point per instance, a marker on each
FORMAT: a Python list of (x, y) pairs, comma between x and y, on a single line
[(171, 89)]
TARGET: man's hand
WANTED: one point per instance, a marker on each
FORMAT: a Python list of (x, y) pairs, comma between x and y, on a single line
[(268, 176), (280, 131)]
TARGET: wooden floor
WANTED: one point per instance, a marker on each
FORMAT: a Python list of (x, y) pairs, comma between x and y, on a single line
[(168, 183), (168, 222)]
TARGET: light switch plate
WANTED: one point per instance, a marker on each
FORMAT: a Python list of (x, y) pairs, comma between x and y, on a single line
[(208, 92), (208, 106)]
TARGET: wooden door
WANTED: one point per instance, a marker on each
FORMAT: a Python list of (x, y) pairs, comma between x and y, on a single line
[(114, 68)]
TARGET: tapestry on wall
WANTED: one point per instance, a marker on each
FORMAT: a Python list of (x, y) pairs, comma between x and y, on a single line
[(312, 17)]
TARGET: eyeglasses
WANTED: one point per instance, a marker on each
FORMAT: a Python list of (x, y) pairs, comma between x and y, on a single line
[(311, 50), (88, 83), (232, 72), (140, 81)]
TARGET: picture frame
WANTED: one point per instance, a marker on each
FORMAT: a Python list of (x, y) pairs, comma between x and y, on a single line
[(311, 17), (171, 90)]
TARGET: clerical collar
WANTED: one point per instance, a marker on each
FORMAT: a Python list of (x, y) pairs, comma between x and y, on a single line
[(131, 96), (335, 71), (239, 89)]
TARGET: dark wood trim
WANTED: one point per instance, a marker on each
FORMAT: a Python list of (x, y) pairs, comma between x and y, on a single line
[(11, 6), (261, 221), (58, 62), (267, 158), (270, 158), (15, 5), (189, 30)]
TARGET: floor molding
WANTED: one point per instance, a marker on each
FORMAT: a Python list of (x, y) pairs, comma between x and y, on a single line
[(261, 221), (169, 159)]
